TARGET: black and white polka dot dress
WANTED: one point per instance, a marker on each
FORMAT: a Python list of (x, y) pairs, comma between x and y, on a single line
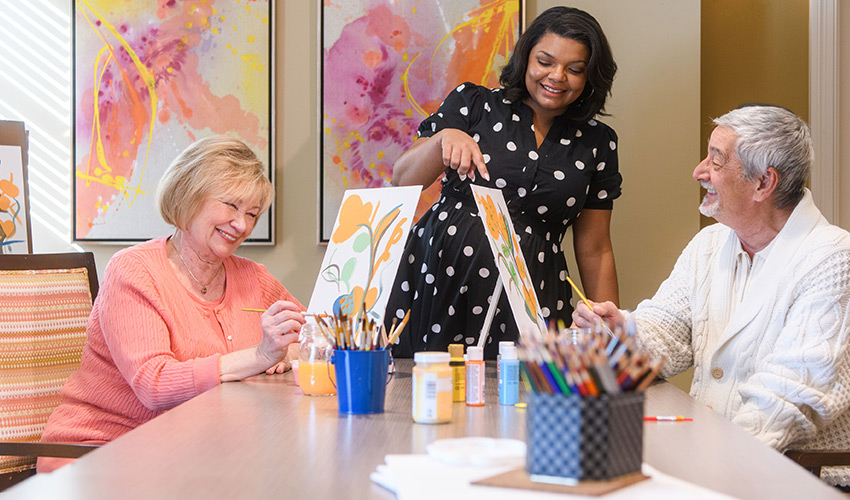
[(447, 274)]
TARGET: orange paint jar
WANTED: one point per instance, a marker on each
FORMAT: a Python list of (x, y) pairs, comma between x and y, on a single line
[(316, 375)]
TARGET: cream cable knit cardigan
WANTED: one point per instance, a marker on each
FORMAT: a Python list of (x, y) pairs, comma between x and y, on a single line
[(780, 368)]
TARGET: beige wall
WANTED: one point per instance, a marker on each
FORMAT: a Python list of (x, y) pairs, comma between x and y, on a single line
[(656, 108), (753, 51), (656, 117), (655, 111), (844, 123)]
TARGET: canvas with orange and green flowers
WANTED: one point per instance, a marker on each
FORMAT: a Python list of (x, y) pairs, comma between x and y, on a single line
[(364, 251), (509, 259)]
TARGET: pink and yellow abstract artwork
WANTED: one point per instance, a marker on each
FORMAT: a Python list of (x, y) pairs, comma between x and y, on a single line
[(150, 78), (385, 67)]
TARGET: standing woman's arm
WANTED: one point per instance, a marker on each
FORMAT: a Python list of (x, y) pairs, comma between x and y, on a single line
[(595, 255), (429, 156)]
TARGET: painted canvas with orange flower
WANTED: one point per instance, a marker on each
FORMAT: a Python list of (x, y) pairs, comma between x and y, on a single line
[(362, 256), (503, 240), (150, 78), (388, 65), (14, 214)]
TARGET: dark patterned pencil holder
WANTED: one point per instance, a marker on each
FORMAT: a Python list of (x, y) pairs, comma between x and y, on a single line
[(572, 439)]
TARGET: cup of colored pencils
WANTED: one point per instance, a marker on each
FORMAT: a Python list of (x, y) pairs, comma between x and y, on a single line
[(585, 403)]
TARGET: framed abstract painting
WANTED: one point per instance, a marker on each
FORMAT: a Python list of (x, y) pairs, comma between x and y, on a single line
[(385, 66), (150, 78)]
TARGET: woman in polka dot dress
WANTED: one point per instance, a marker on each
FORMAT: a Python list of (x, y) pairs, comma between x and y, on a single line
[(537, 140)]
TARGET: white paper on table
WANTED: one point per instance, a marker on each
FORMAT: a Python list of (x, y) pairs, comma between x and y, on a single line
[(419, 477)]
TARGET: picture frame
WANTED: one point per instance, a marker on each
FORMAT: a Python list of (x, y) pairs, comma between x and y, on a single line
[(150, 80), (15, 222), (384, 67)]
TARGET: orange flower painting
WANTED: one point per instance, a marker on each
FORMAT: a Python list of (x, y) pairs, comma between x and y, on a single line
[(509, 259), (364, 251), (13, 214)]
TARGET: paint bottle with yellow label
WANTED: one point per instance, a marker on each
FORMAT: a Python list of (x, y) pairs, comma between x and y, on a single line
[(458, 366), (432, 388)]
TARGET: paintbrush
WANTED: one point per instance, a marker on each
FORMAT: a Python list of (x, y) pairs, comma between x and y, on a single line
[(395, 333), (588, 304)]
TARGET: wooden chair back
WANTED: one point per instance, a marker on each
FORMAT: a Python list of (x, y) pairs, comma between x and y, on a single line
[(45, 302)]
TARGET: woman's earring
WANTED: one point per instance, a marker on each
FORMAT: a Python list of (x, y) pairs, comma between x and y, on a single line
[(583, 97)]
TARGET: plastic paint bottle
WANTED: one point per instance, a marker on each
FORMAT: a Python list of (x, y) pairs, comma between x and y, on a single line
[(502, 345), (458, 372), (474, 376), (432, 388), (509, 376)]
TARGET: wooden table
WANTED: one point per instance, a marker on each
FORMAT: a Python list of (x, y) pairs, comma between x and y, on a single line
[(262, 439)]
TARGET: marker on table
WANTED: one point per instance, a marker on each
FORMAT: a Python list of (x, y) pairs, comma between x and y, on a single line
[(677, 418)]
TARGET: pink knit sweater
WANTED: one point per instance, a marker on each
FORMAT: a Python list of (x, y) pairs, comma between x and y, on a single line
[(152, 344)]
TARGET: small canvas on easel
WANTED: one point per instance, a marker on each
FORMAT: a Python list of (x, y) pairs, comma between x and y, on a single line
[(14, 213), (509, 259), (364, 251)]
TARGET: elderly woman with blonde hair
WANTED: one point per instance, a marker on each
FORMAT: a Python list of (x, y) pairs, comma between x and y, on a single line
[(168, 322)]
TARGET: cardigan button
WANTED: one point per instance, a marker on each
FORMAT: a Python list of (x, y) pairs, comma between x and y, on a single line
[(717, 373)]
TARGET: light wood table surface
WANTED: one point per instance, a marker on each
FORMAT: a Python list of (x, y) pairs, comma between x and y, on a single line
[(262, 438)]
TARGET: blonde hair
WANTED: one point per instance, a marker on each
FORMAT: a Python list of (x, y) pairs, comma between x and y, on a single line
[(217, 166)]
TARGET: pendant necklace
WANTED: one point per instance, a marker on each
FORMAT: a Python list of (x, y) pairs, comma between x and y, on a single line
[(203, 286)]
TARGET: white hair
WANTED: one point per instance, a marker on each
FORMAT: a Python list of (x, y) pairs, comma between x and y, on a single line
[(771, 136)]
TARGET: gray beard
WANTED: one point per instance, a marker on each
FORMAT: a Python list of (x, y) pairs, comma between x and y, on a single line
[(706, 210)]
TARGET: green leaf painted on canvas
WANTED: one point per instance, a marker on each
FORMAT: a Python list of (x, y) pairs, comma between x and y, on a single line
[(348, 269), (361, 242)]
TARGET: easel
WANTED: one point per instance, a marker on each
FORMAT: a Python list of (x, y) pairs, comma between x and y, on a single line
[(491, 311)]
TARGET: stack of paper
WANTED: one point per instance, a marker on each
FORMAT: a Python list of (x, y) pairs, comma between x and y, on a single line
[(414, 477)]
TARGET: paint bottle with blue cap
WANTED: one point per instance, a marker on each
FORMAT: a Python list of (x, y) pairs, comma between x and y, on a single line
[(508, 376)]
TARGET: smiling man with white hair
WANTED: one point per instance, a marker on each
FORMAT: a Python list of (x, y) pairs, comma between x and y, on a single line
[(759, 304)]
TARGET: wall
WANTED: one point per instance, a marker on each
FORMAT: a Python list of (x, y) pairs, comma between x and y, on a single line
[(753, 51), (680, 63), (657, 120), (844, 124)]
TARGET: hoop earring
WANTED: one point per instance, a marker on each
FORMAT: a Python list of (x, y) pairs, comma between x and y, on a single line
[(583, 98)]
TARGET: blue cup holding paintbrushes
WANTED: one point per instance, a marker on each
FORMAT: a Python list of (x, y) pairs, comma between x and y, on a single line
[(361, 380)]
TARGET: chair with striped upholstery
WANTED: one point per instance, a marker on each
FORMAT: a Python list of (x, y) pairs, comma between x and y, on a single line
[(45, 302)]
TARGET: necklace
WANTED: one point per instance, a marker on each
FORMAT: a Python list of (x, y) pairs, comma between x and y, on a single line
[(203, 286)]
